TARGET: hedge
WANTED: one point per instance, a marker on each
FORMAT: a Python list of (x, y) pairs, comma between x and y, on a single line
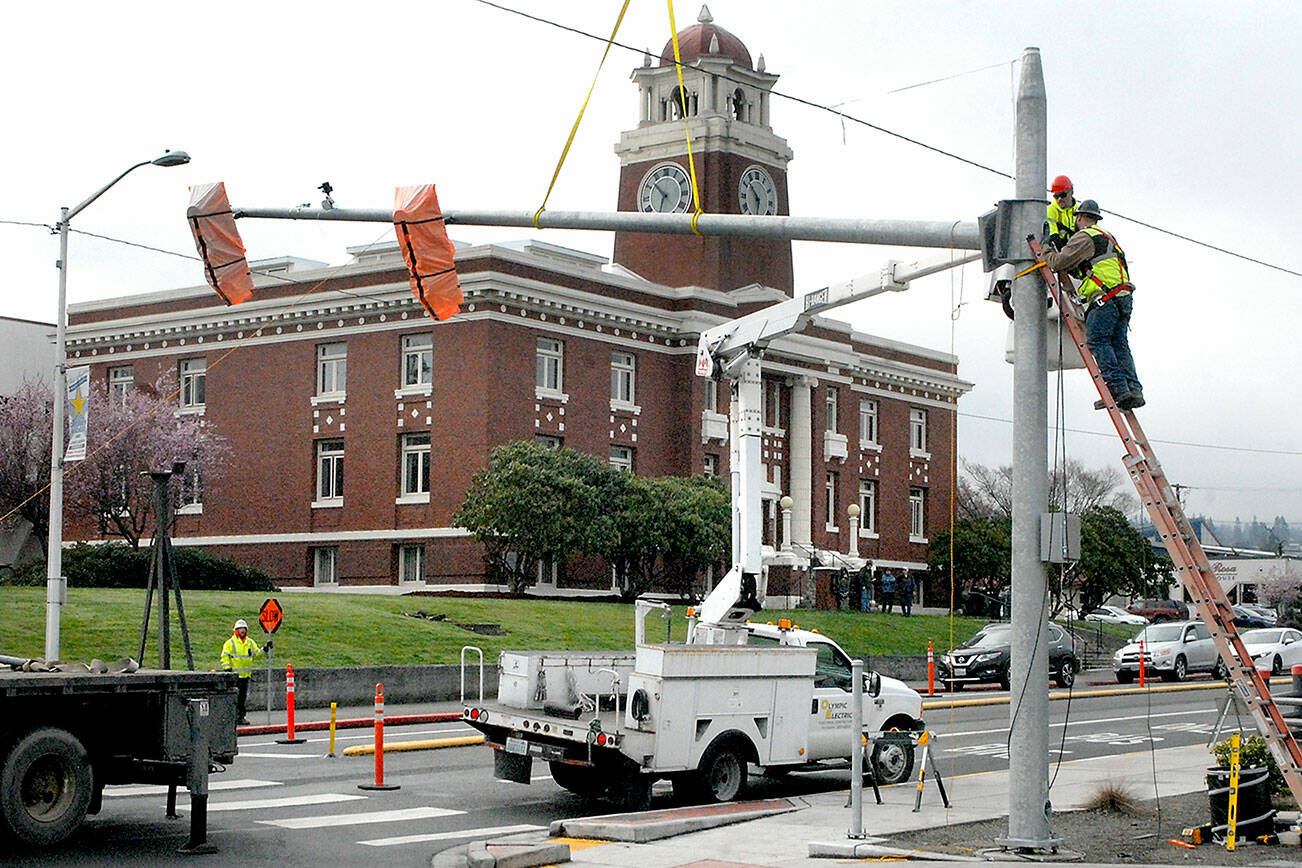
[(116, 565)]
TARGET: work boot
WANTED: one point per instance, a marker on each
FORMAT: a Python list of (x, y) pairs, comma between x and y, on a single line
[(1120, 399), (1134, 399)]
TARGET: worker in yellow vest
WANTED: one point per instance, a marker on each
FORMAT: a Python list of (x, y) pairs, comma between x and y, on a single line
[(1094, 257), (1060, 216), (237, 657)]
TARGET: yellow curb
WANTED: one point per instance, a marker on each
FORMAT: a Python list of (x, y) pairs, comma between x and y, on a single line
[(578, 843), (1085, 694), (426, 744)]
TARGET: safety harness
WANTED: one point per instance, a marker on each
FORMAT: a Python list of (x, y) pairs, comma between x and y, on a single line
[(1088, 272)]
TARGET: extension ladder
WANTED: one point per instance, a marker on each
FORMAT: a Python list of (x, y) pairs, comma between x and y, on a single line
[(1186, 552)]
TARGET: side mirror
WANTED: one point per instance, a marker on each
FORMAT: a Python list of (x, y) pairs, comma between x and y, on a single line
[(874, 684)]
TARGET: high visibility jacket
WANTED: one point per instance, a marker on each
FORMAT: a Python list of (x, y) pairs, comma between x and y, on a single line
[(1106, 269), (1062, 221), (238, 654)]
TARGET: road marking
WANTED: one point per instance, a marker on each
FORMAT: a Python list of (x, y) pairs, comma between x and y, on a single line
[(114, 790), (359, 819), (288, 802), (251, 755), (1083, 722), (444, 836)]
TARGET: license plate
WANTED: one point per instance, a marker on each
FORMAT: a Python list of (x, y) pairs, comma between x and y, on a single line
[(517, 745), (960, 670)]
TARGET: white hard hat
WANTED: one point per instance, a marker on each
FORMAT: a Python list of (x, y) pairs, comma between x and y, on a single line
[(240, 623)]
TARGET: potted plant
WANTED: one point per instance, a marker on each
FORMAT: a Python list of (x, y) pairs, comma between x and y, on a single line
[(1259, 779)]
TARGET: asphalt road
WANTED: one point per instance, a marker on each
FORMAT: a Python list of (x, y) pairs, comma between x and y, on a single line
[(290, 805)]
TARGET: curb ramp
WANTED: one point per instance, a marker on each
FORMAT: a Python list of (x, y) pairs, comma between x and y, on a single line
[(646, 826)]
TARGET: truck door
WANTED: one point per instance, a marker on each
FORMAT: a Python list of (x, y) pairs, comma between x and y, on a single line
[(829, 728)]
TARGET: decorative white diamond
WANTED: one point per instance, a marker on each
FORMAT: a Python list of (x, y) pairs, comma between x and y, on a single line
[(330, 420)]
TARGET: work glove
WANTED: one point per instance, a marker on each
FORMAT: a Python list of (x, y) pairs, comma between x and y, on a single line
[(267, 647)]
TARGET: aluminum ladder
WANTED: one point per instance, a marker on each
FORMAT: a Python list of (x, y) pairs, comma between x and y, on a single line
[(1186, 552)]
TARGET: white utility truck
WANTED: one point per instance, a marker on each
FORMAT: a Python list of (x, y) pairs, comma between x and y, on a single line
[(610, 724)]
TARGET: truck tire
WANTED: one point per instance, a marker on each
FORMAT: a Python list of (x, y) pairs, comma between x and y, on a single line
[(893, 760), (722, 774), (633, 793), (45, 787), (580, 780)]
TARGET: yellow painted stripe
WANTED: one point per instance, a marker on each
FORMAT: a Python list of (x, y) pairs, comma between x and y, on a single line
[(425, 744), (577, 843), (1087, 694)]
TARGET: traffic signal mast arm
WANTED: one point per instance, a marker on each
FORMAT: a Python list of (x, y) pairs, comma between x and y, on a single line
[(732, 351)]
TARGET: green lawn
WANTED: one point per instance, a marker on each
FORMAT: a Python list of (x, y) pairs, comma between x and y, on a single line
[(362, 629)]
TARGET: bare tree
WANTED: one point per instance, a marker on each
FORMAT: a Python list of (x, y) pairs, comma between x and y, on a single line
[(987, 492)]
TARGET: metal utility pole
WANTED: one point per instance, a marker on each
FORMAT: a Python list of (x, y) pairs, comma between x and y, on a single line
[(1028, 760)]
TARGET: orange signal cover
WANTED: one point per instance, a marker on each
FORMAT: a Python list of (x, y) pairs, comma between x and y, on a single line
[(427, 250), (218, 242)]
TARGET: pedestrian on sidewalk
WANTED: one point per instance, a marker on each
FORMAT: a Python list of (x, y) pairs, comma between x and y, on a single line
[(237, 657), (906, 595), (888, 591)]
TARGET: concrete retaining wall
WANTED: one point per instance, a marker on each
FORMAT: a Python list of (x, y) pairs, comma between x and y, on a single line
[(355, 685)]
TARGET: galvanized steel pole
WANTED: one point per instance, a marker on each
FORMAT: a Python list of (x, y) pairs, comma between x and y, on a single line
[(958, 234), (1028, 760)]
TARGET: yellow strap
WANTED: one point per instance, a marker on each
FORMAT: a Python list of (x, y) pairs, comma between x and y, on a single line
[(1028, 270), (575, 129), (682, 93)]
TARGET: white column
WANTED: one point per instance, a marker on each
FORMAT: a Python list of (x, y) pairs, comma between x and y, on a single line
[(802, 461)]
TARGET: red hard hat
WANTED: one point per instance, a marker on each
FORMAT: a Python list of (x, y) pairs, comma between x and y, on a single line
[(1061, 184)]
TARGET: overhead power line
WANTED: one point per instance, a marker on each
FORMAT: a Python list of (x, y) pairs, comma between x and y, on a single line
[(835, 110)]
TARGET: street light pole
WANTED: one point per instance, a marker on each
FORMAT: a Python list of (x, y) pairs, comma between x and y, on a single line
[(56, 588)]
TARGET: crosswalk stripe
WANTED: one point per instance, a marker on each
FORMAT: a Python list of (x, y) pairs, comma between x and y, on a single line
[(313, 755), (161, 789), (444, 836), (359, 819), (288, 802)]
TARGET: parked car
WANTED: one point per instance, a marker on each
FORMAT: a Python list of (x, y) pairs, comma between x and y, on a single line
[(1264, 611), (1171, 650), (984, 658), (1160, 610), (1114, 615), (1247, 619), (1278, 649)]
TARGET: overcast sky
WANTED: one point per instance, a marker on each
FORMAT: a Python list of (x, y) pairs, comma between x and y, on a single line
[(1182, 115)]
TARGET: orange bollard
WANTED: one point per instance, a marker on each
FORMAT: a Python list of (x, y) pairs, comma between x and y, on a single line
[(1143, 663), (289, 709), (931, 670), (379, 745)]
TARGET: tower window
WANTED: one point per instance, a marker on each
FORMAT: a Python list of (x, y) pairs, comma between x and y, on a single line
[(739, 107)]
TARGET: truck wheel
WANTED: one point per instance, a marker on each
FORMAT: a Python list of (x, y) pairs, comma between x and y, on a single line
[(723, 773), (45, 787), (633, 793), (893, 761), (580, 780)]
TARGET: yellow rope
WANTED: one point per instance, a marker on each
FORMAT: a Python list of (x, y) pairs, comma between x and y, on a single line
[(1028, 270), (575, 129), (682, 95)]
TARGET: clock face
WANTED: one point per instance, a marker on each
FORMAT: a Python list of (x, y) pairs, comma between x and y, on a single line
[(666, 189), (756, 193)]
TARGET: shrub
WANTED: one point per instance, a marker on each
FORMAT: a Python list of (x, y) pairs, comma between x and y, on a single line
[(114, 565), (1253, 753)]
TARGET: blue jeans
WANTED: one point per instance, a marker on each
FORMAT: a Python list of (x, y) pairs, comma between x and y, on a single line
[(1105, 335)]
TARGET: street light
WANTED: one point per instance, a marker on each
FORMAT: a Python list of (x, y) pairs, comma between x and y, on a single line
[(56, 589)]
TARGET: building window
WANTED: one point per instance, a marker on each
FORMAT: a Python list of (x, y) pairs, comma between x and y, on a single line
[(194, 377), (831, 486), (917, 431), (917, 515), (191, 495), (417, 361), (711, 396), (330, 471), (867, 507), (621, 457), (411, 564), (711, 464), (121, 381), (772, 404), (831, 409), (415, 464), (551, 368), (623, 377), (549, 441), (331, 369), (325, 565), (867, 422)]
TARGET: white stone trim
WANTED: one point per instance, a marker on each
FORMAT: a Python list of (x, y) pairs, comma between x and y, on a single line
[(323, 537)]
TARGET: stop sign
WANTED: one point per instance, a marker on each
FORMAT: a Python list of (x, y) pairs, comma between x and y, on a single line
[(270, 615)]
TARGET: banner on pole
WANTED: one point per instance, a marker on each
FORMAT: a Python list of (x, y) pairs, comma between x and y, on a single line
[(78, 412)]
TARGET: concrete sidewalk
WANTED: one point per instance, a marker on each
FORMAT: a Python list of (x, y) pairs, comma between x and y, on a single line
[(816, 831)]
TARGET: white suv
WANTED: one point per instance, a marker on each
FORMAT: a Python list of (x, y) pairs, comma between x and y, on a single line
[(1172, 650)]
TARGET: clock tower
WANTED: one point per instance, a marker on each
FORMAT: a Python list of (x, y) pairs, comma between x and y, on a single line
[(741, 166)]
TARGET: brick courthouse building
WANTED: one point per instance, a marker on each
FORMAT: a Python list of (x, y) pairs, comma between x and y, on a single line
[(357, 422)]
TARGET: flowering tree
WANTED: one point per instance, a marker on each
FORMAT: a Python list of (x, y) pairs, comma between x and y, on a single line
[(129, 436), (25, 457), (1284, 592)]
